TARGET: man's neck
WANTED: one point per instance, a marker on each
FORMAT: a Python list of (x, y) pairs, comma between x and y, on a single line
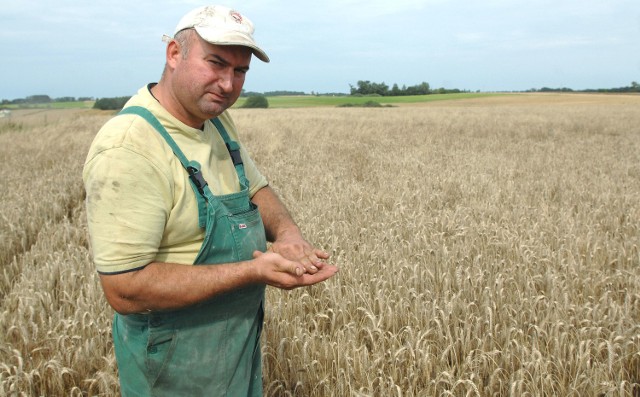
[(167, 102)]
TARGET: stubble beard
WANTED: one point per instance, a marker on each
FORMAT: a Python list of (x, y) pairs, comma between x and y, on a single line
[(214, 105)]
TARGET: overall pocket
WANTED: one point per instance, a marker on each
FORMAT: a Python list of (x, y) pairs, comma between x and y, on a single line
[(248, 234), (160, 348)]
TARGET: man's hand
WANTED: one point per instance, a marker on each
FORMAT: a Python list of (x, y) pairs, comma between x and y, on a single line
[(277, 271), (291, 245)]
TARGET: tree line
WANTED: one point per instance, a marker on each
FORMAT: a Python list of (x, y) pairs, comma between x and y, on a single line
[(634, 87), (366, 87), (43, 99), (271, 93), (116, 103), (362, 88)]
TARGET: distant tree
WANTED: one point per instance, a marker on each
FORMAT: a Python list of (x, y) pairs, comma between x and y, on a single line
[(361, 86), (256, 102), (110, 103), (246, 94), (284, 93), (38, 99), (381, 89), (368, 104), (367, 88), (371, 104), (424, 89)]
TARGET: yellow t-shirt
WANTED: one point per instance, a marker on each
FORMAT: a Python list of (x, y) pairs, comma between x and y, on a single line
[(141, 207)]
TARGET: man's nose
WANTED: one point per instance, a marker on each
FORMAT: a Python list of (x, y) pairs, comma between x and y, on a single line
[(226, 80)]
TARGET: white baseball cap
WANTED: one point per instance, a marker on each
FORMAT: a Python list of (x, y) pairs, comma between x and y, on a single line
[(222, 26)]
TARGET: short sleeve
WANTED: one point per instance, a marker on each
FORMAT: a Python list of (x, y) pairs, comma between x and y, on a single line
[(128, 203)]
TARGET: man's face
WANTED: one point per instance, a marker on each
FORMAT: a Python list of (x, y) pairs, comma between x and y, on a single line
[(209, 79)]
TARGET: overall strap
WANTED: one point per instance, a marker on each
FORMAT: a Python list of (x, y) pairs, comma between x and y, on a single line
[(199, 185), (234, 152)]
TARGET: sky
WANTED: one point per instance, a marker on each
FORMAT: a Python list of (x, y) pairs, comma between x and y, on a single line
[(112, 48)]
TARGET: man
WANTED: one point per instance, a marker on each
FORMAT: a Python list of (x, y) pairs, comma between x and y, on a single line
[(179, 216)]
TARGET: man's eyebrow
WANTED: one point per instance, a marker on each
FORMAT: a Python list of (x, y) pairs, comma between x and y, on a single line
[(227, 63), (220, 59)]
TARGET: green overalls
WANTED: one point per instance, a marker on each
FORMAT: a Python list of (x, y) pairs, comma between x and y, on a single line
[(212, 348)]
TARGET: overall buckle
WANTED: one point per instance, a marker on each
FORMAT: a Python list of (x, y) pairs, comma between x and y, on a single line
[(196, 177)]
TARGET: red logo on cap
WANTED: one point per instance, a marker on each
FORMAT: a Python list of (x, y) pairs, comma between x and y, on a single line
[(236, 16)]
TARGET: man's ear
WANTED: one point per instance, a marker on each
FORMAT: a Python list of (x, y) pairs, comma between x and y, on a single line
[(174, 52)]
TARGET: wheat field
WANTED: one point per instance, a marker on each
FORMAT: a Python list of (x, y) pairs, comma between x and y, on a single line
[(487, 247)]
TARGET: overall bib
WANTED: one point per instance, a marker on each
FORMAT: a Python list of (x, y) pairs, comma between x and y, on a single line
[(212, 348)]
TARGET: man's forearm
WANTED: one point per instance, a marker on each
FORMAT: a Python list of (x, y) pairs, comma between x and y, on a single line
[(275, 216), (168, 286)]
